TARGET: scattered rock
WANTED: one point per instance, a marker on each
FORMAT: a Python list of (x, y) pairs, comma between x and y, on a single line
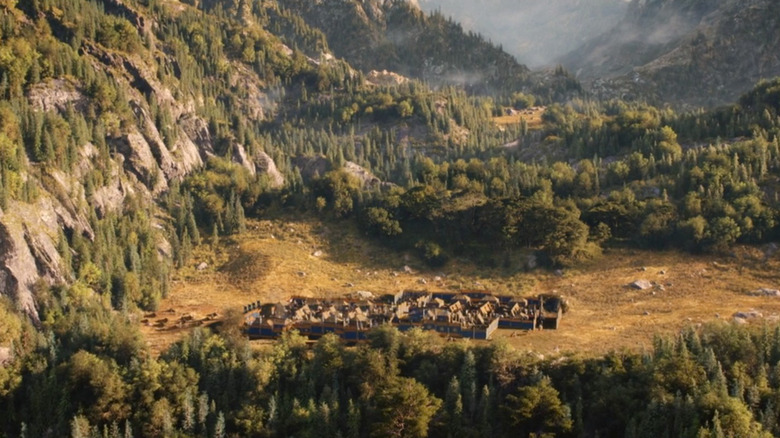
[(766, 292), (202, 266), (437, 278), (646, 313), (643, 269), (361, 295), (317, 253), (349, 285), (558, 273), (422, 281), (408, 270), (662, 272), (385, 78), (748, 315), (301, 274), (641, 284), (719, 266)]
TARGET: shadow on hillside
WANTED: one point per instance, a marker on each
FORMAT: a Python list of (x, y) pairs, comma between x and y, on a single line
[(343, 242)]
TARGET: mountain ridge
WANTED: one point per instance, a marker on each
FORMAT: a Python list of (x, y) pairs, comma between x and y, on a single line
[(690, 53)]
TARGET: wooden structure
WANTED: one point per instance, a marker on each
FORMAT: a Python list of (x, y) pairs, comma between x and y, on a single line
[(472, 314)]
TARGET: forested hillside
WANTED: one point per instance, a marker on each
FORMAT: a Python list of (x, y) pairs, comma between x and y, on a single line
[(398, 36), (695, 53), (132, 131), (536, 33)]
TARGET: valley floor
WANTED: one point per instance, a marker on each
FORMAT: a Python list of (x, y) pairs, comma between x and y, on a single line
[(275, 259)]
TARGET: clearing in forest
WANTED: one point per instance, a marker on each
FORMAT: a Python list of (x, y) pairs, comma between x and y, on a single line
[(278, 258)]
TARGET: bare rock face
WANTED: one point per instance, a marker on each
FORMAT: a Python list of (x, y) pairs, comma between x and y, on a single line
[(141, 162), (172, 169), (641, 284), (240, 157), (176, 162), (28, 252), (197, 131), (364, 175), (385, 78), (56, 95), (186, 153), (256, 102), (266, 166), (66, 203)]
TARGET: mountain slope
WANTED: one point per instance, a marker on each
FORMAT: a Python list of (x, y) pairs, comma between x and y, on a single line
[(398, 36), (122, 121), (535, 32), (683, 51)]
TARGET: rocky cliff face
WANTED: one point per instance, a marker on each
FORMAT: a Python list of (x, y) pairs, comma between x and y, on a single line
[(143, 163), (28, 250)]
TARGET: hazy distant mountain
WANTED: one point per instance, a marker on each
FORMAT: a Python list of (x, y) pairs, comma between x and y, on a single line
[(535, 31), (699, 52), (399, 36)]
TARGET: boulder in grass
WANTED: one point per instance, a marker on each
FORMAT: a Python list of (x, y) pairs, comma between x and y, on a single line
[(641, 284), (751, 314), (767, 292)]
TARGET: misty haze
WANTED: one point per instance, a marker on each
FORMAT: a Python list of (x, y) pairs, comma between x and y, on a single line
[(536, 32)]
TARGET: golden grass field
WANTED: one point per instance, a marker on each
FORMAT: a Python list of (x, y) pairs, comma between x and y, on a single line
[(276, 258), (532, 117)]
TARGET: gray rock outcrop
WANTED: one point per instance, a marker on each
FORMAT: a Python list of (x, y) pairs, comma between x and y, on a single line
[(240, 156), (56, 95), (641, 285), (28, 252), (266, 166)]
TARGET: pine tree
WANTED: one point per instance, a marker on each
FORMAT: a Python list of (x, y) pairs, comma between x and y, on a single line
[(188, 411), (717, 430), (214, 235), (203, 410), (219, 428), (453, 404), (128, 430), (353, 420), (468, 383)]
